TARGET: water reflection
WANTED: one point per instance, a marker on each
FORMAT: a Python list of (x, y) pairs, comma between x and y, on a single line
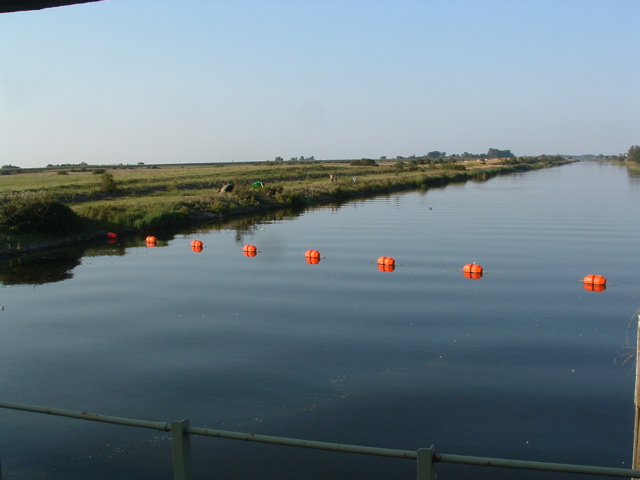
[(634, 178), (40, 269), (54, 266), (248, 225)]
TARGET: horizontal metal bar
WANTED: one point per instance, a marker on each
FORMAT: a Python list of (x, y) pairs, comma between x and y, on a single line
[(294, 442), (132, 422), (541, 466)]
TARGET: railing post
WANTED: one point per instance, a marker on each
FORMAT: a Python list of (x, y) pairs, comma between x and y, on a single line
[(426, 465), (181, 446)]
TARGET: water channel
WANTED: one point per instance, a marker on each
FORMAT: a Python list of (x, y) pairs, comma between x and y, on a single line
[(524, 362)]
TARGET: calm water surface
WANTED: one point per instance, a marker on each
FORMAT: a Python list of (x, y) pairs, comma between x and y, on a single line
[(522, 363)]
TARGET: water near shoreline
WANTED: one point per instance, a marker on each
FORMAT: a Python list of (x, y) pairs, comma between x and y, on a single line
[(522, 363)]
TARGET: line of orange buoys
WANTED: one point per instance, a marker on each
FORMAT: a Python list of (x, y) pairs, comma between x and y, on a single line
[(593, 283)]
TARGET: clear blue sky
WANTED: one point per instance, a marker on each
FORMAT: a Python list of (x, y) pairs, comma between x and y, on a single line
[(159, 81)]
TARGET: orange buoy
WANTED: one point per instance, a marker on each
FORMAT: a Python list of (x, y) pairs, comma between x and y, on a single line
[(386, 261), (312, 254), (313, 260), (197, 248), (595, 283), (112, 235), (250, 250), (473, 275), (386, 267), (595, 280), (472, 268), (151, 239), (197, 243)]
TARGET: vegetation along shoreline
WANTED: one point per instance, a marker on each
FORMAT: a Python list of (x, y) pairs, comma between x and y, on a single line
[(44, 209)]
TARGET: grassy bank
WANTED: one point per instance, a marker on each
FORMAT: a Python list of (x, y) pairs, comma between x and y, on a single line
[(64, 206)]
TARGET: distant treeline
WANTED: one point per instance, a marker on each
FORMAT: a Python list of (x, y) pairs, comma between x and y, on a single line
[(435, 156), (631, 158)]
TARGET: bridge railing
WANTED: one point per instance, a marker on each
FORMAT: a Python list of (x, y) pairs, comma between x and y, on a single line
[(425, 458)]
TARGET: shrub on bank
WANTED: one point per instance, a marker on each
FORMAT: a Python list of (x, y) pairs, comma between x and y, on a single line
[(453, 166), (28, 212)]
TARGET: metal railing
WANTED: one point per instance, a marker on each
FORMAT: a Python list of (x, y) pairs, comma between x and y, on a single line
[(426, 458)]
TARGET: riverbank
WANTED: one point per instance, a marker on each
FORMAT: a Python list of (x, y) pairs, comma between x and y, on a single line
[(150, 200)]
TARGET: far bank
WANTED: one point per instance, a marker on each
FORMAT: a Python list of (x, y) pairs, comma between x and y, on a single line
[(44, 210)]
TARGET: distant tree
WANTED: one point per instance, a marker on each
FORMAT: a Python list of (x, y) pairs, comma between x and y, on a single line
[(632, 156), (384, 157), (435, 154), (495, 153), (9, 170), (473, 155)]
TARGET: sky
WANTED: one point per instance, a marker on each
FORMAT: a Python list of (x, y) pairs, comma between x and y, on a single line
[(198, 81)]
